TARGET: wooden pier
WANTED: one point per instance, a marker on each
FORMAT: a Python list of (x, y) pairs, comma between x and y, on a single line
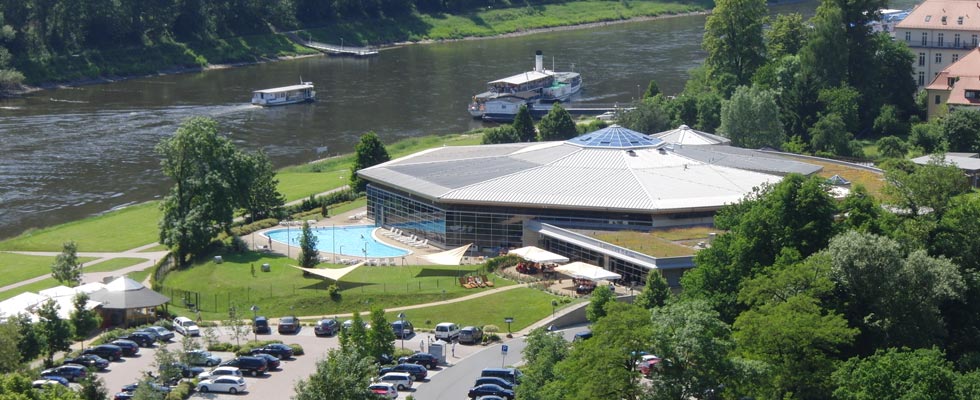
[(333, 49)]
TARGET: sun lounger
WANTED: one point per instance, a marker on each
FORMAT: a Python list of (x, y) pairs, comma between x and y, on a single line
[(487, 282)]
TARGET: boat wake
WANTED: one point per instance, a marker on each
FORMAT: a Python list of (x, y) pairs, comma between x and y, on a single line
[(67, 101)]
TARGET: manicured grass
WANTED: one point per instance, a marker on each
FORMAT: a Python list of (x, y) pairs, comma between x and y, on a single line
[(875, 183), (525, 305), (17, 267), (119, 230), (284, 290), (353, 205), (48, 283), (299, 185), (113, 264), (650, 243), (158, 247), (35, 287), (691, 233)]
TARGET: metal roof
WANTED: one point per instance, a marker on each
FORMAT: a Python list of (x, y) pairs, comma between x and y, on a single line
[(684, 135), (522, 78), (644, 176), (286, 88)]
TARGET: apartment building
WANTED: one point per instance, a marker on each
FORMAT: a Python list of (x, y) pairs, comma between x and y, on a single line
[(939, 33), (956, 86)]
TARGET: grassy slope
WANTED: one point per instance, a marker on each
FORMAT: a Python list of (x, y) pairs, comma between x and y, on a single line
[(46, 283), (525, 305), (119, 230), (284, 290), (18, 267)]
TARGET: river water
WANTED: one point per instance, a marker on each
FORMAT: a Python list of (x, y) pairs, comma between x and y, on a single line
[(69, 153)]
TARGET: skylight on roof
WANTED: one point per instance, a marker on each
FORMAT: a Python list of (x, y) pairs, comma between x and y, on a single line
[(616, 137), (928, 18)]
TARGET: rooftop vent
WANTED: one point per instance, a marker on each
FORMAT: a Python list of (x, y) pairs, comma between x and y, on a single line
[(662, 150), (944, 20), (631, 153), (959, 20), (928, 18)]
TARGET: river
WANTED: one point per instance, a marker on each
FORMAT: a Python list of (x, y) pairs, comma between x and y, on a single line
[(69, 153)]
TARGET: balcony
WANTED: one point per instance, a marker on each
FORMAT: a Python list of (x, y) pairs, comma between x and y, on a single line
[(946, 44)]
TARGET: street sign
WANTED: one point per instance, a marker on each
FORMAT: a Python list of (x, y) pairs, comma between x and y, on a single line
[(401, 315), (503, 349), (508, 319)]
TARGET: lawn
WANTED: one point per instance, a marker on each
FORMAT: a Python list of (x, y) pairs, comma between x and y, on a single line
[(300, 185), (658, 243), (284, 290), (119, 230), (48, 283), (17, 267), (525, 305), (874, 182), (113, 264)]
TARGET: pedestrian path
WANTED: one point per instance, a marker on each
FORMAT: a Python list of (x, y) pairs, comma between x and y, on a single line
[(151, 258)]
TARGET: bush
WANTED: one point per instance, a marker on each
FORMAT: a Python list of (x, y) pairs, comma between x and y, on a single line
[(334, 292), (254, 226), (400, 352), (297, 349), (491, 328), (182, 391), (501, 262), (238, 246), (316, 203), (493, 337)]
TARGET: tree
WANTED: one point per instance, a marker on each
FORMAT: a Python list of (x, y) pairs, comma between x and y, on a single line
[(829, 135), (238, 326), (381, 338), (10, 358), (256, 185), (889, 122), (914, 187), (524, 125), (556, 125), (896, 373), (655, 293), (596, 309), (648, 117), (83, 320), (66, 268), (962, 130), (344, 374), (93, 388), (9, 77), (165, 361), (309, 256), (751, 118), (500, 134), (146, 391), (56, 332), (928, 136), (891, 147), (653, 89), (786, 35), (368, 153), (543, 352), (862, 213), (355, 337), (201, 202), (733, 38), (844, 101), (31, 339), (822, 56)]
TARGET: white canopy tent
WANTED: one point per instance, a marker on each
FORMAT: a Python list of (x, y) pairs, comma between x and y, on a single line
[(538, 255), (583, 270), (448, 257), (332, 274)]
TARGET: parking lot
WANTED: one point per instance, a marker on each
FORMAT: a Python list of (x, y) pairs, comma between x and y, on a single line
[(275, 384)]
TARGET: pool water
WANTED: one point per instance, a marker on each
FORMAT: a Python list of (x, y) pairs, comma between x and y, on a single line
[(350, 240)]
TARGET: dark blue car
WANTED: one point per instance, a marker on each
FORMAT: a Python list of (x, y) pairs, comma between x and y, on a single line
[(490, 389)]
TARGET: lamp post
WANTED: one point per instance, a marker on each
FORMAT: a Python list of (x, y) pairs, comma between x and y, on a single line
[(255, 311), (554, 305), (401, 317), (288, 239), (333, 229)]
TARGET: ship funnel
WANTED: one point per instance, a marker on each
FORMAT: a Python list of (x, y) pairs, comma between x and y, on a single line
[(538, 61)]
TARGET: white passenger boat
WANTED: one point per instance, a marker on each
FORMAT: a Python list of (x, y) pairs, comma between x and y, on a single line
[(547, 85), (284, 95)]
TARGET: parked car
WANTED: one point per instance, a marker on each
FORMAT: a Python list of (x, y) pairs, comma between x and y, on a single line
[(71, 372), (512, 375), (186, 327), (163, 334), (326, 327), (123, 396), (228, 384), (131, 388), (220, 371), (494, 380), (141, 338), (249, 365), (186, 371), (49, 380), (417, 371), (348, 323), (151, 333), (585, 335), (384, 390), (89, 360), (129, 347), (284, 352), (260, 324), (109, 352), (471, 334), (271, 360), (403, 329), (288, 324), (447, 331), (202, 357), (424, 359), (491, 390), (401, 380)]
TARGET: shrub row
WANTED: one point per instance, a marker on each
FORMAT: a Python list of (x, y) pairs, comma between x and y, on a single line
[(182, 391), (321, 202), (501, 262), (254, 226), (246, 348)]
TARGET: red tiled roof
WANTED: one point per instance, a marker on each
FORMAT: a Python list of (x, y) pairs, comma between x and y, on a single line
[(960, 15), (966, 75)]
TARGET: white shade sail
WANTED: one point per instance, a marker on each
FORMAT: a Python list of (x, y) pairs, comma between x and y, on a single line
[(538, 255), (448, 257), (331, 273), (583, 270)]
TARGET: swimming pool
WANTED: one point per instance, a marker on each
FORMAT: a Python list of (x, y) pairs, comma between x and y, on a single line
[(351, 240)]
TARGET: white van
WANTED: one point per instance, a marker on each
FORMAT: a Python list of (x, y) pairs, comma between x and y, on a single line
[(186, 327), (447, 331)]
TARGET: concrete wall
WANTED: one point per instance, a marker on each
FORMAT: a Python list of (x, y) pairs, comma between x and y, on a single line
[(575, 315)]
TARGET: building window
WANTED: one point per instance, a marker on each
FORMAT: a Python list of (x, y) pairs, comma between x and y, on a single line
[(939, 39), (908, 36), (937, 99), (925, 38), (974, 41), (956, 57), (922, 59), (956, 40), (939, 58), (922, 78)]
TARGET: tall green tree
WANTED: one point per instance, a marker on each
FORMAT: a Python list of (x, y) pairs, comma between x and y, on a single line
[(83, 320), (31, 338), (355, 338), (556, 125), (543, 352), (66, 267), (655, 292), (344, 374), (500, 134), (309, 256), (256, 186), (733, 38), (786, 35), (381, 338), (751, 118), (10, 358), (962, 130), (931, 186), (9, 77), (830, 136), (368, 153), (57, 333), (201, 202), (648, 117), (653, 89), (822, 58), (844, 101), (596, 309), (524, 125), (897, 374), (891, 147)]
